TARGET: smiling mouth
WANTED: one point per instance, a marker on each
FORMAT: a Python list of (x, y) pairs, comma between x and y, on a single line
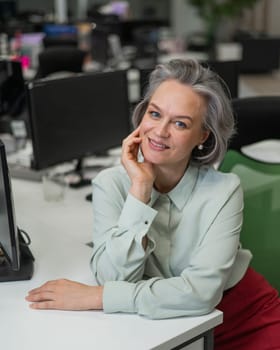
[(157, 145)]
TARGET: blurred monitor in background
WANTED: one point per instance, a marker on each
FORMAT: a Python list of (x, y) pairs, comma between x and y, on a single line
[(12, 96), (119, 8), (11, 88), (60, 30), (82, 115), (30, 45), (8, 10), (58, 34)]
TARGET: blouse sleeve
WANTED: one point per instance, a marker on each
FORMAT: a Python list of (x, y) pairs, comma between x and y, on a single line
[(120, 223)]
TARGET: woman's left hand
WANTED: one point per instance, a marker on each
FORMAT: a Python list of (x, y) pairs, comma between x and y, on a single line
[(64, 294)]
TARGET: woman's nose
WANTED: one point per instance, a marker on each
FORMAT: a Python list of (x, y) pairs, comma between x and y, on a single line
[(162, 129)]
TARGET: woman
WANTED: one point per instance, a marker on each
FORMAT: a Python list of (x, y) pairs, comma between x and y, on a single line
[(167, 225)]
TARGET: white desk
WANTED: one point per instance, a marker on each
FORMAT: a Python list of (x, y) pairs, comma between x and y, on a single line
[(59, 231)]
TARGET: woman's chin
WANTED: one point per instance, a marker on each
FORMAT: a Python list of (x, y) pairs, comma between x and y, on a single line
[(153, 159)]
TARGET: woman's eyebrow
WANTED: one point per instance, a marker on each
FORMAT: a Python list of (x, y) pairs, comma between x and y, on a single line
[(154, 105)]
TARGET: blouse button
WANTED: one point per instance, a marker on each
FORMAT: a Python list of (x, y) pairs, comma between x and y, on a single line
[(146, 222)]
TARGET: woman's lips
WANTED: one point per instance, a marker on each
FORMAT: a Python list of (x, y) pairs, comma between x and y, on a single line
[(157, 145)]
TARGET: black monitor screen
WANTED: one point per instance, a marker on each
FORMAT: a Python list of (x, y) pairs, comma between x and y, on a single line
[(12, 93), (77, 116), (16, 259), (8, 229), (100, 46), (8, 10), (60, 30)]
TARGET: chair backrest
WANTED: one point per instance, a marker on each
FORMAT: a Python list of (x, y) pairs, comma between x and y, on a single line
[(60, 59), (259, 54), (257, 118), (49, 41), (261, 225), (229, 72)]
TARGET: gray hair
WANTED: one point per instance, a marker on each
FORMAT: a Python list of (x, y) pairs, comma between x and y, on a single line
[(219, 119)]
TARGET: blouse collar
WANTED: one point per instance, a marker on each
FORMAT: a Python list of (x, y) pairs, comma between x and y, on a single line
[(180, 194)]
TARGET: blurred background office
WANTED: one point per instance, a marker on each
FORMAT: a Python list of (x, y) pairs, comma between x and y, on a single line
[(139, 33), (148, 26), (240, 40)]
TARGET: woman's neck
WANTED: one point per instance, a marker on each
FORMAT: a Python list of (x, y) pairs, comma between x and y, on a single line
[(167, 179)]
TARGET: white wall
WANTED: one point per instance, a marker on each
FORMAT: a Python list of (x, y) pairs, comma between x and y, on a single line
[(184, 19), (273, 16)]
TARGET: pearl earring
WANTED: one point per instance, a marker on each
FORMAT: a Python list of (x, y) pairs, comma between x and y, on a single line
[(200, 147)]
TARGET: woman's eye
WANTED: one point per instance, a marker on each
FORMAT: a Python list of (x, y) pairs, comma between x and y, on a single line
[(180, 125), (154, 114)]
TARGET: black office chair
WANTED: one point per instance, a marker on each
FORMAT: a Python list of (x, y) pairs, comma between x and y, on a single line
[(49, 41), (229, 72), (257, 118), (259, 54), (60, 59)]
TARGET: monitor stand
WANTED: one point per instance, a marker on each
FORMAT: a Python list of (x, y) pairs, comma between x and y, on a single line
[(79, 170), (82, 182), (26, 265)]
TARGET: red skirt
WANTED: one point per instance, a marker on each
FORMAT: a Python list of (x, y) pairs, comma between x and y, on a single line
[(251, 316)]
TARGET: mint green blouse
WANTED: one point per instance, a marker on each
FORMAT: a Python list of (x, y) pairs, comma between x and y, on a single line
[(193, 252)]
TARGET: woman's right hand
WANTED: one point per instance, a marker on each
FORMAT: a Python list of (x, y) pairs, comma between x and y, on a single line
[(142, 174)]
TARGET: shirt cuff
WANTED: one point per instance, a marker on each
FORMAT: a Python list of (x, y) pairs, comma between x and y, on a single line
[(136, 212), (118, 297)]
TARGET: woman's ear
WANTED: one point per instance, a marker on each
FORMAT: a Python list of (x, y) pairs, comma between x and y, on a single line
[(205, 135)]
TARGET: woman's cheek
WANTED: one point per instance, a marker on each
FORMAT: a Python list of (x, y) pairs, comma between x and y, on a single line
[(145, 126)]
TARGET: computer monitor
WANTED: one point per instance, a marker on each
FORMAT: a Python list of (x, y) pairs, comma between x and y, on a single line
[(60, 30), (77, 116), (12, 94), (118, 8), (31, 46), (8, 10), (12, 91), (99, 46), (16, 260)]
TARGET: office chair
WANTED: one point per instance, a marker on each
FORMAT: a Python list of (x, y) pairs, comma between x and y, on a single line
[(228, 71), (49, 41), (60, 59), (258, 118), (259, 54)]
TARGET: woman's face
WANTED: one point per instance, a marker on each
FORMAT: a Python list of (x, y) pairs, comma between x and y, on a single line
[(172, 125)]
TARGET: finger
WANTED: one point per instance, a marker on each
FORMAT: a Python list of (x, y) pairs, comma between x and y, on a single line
[(36, 290), (44, 305), (40, 296), (131, 141), (133, 134), (131, 147), (136, 131)]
